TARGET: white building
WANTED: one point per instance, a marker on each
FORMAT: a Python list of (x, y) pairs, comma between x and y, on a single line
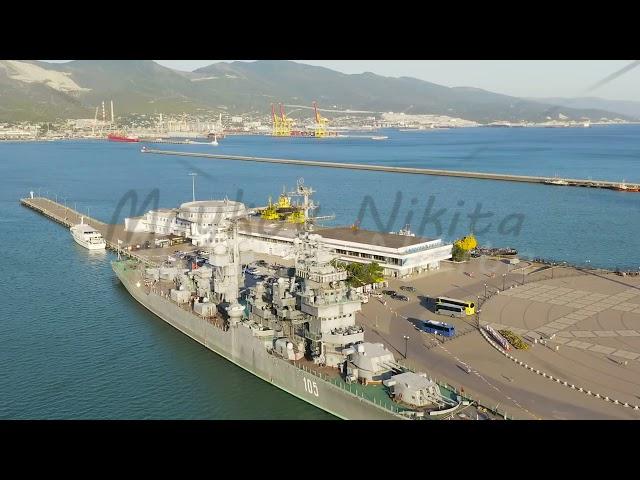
[(198, 220), (398, 255)]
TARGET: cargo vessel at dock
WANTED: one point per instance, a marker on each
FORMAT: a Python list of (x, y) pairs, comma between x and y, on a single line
[(119, 137)]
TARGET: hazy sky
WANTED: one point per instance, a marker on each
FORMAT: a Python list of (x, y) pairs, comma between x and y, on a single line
[(522, 78)]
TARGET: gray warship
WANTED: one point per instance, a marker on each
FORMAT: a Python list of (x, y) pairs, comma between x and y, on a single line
[(296, 330)]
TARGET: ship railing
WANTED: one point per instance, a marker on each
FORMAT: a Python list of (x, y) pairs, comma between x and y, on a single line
[(352, 389)]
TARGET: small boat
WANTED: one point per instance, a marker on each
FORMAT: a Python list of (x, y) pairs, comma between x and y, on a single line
[(215, 141), (87, 236), (379, 137), (623, 187), (556, 181)]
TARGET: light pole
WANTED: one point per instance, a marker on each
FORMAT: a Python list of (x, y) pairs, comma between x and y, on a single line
[(504, 275), (406, 339), (485, 291), (193, 186)]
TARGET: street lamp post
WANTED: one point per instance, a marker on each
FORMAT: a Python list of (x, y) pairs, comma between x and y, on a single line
[(485, 291), (504, 275), (193, 186), (406, 340)]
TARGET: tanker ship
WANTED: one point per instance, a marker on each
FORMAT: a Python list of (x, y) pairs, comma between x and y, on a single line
[(121, 137)]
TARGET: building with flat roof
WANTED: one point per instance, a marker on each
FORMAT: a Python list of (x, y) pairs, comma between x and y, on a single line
[(399, 254)]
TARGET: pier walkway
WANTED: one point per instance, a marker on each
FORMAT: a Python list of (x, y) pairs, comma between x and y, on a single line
[(574, 182), (111, 233)]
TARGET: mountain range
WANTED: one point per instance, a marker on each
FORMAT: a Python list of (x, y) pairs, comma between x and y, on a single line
[(42, 91), (627, 108)]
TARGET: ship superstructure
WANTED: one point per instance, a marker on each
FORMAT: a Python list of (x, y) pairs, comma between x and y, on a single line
[(313, 307)]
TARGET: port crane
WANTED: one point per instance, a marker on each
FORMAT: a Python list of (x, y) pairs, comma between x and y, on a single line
[(285, 123), (95, 123), (321, 122), (277, 131)]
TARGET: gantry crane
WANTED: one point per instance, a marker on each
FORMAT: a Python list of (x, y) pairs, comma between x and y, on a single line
[(321, 122), (277, 130), (285, 123)]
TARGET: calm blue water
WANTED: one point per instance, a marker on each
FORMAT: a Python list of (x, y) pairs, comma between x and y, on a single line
[(74, 345)]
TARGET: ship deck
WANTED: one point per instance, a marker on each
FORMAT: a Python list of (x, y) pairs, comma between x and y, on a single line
[(374, 392)]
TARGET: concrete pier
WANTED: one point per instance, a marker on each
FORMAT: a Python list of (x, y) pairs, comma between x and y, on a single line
[(111, 233), (574, 182)]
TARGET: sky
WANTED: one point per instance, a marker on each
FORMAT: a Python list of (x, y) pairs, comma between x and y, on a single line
[(520, 78)]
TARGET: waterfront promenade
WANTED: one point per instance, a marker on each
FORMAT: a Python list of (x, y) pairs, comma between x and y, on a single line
[(500, 382), (574, 182)]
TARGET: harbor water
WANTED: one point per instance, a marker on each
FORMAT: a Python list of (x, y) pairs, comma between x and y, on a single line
[(75, 345)]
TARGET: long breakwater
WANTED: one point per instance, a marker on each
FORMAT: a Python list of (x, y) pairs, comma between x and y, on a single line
[(574, 182)]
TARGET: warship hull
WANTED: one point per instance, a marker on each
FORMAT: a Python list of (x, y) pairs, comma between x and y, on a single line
[(239, 345)]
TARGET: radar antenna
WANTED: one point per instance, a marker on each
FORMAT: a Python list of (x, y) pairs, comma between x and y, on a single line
[(308, 205)]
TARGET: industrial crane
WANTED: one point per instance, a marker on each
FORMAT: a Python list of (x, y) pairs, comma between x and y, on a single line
[(321, 122), (276, 122), (285, 123)]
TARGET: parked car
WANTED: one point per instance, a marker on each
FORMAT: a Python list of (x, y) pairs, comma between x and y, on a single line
[(389, 292), (397, 296), (407, 288)]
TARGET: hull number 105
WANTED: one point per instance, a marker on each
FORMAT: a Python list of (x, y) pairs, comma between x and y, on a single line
[(310, 387)]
